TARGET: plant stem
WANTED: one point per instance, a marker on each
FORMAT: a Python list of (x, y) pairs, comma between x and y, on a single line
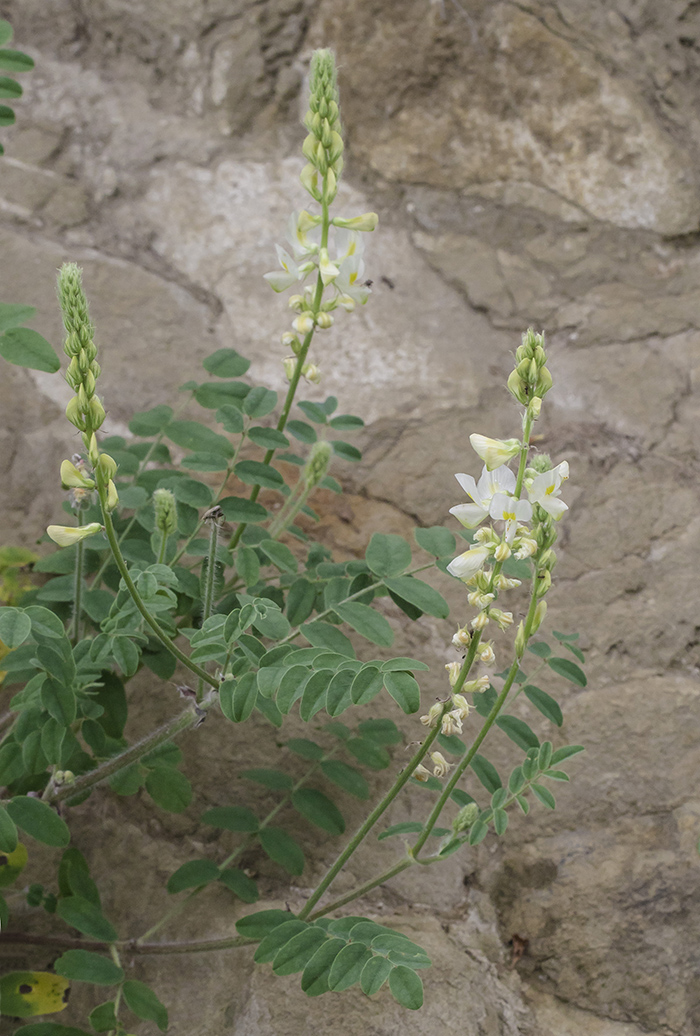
[(362, 889), (124, 572), (163, 547), (369, 823), (77, 592), (187, 718), (208, 601)]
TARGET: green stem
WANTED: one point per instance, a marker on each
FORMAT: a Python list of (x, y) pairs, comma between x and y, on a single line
[(369, 823), (361, 890), (163, 547), (124, 572), (208, 601), (78, 591), (187, 718)]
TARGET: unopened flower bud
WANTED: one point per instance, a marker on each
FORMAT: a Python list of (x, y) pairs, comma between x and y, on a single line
[(324, 321), (477, 686), (504, 583), (366, 222), (317, 464), (544, 581), (486, 653), (520, 641), (166, 511), (112, 496), (309, 180), (107, 465), (502, 552), (312, 373), (535, 406), (517, 387), (74, 414), (504, 619), (297, 303), (73, 478), (480, 621), (465, 818), (462, 638), (453, 671), (494, 452), (540, 612), (304, 323), (290, 365), (544, 382), (67, 535), (433, 715)]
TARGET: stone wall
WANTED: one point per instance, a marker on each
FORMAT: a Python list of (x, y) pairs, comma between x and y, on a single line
[(532, 163)]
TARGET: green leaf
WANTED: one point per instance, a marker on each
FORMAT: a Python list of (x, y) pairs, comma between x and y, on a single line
[(38, 820), (540, 649), (193, 436), (255, 473), (5, 32), (406, 987), (260, 924), (12, 315), (392, 664), (321, 634), (313, 411), (478, 832), (544, 795), (275, 780), (141, 999), (404, 689), (407, 827), (500, 821), (519, 732), (277, 938), (84, 966), (268, 438), (103, 1018), (368, 753), (15, 61), (347, 966), (486, 772), (382, 731), (565, 753), (282, 848), (544, 757), (226, 363), (305, 748), (27, 348), (79, 913), (7, 116), (564, 667), (314, 981), (388, 555), (236, 509), (545, 703), (240, 884), (367, 622), (374, 974), (260, 402), (314, 697), (436, 540), (300, 601), (169, 788), (231, 418), (366, 685), (151, 422), (8, 832), (214, 395), (280, 556), (238, 697), (191, 875), (15, 627), (420, 594), (565, 637), (319, 809), (231, 818), (302, 431), (346, 777), (49, 1028), (345, 450), (59, 701), (190, 491), (296, 954)]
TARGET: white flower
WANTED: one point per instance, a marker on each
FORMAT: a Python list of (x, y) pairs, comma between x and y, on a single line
[(545, 490), (461, 706), (511, 511), (466, 565), (494, 452), (441, 765), (366, 222), (451, 723), (328, 270), (67, 535), (291, 271), (421, 773), (73, 478), (298, 227), (500, 480), (453, 671), (434, 713)]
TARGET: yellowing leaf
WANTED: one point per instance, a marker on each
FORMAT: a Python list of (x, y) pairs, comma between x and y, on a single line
[(24, 994), (12, 864)]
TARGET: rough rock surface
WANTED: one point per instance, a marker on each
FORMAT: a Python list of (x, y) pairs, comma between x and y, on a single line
[(532, 164)]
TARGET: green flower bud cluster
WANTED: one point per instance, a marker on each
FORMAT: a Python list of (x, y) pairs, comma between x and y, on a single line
[(166, 511), (317, 464), (465, 818), (323, 147), (530, 380), (85, 410)]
